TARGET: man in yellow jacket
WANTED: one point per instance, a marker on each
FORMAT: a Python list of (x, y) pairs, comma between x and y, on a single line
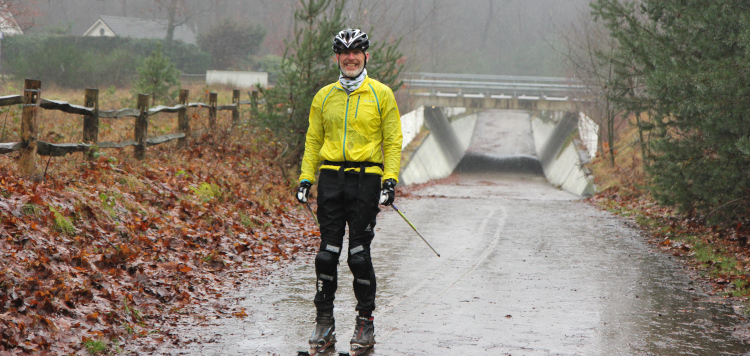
[(355, 138)]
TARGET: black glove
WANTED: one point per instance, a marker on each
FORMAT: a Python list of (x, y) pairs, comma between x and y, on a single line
[(303, 191), (388, 192)]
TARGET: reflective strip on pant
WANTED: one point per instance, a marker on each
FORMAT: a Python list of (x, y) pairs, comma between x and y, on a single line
[(326, 277)]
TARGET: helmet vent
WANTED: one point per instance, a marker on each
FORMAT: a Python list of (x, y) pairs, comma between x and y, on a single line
[(351, 39)]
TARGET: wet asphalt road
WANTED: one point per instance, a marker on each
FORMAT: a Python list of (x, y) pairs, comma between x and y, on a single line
[(526, 269)]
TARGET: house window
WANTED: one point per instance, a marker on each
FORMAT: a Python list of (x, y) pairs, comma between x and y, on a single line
[(101, 31)]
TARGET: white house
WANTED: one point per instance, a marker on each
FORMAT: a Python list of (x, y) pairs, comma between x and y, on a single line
[(116, 26), (8, 24)]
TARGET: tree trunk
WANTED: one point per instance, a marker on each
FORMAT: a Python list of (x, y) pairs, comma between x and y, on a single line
[(171, 20), (611, 134)]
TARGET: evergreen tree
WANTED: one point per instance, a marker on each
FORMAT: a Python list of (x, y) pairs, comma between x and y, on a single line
[(158, 77), (230, 43), (308, 65), (691, 58)]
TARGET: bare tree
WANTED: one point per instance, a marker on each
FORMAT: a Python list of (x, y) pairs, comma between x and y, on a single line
[(388, 20), (488, 23), (585, 47), (22, 13), (178, 13)]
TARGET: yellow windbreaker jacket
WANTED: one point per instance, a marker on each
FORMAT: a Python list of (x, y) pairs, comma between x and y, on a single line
[(359, 127)]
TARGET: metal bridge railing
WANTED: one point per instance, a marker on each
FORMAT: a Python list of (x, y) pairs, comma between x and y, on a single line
[(492, 85)]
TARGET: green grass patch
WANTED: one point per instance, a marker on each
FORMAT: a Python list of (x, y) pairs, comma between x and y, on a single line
[(62, 224), (31, 209), (741, 288), (95, 347), (207, 192), (247, 221)]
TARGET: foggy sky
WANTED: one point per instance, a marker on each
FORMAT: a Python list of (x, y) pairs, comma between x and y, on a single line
[(467, 36)]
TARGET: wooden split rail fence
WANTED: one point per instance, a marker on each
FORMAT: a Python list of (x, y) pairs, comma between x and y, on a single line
[(32, 101)]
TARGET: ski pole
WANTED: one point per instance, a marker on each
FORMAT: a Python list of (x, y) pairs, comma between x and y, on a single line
[(313, 213), (415, 229)]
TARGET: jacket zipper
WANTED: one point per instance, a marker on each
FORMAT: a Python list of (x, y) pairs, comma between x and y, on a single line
[(346, 120), (357, 109)]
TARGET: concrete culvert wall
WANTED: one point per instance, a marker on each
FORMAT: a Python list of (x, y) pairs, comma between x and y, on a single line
[(441, 128), (441, 151), (555, 141), (549, 145), (501, 141)]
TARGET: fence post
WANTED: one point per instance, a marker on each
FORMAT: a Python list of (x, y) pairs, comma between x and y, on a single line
[(212, 99), (141, 127), (32, 96), (236, 110), (254, 99), (253, 103), (183, 122), (91, 122)]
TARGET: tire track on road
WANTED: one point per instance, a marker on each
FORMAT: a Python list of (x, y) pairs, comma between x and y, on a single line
[(489, 249)]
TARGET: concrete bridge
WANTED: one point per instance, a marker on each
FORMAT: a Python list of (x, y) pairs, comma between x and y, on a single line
[(474, 91), (545, 112)]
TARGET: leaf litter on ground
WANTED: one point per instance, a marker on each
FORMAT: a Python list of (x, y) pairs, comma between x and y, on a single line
[(111, 251)]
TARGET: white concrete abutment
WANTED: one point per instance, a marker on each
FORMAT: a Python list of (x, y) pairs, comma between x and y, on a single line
[(556, 136)]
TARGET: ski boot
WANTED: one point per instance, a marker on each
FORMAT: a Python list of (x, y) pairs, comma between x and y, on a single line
[(324, 335), (364, 336)]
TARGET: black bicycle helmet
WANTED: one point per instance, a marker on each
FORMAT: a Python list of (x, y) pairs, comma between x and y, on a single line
[(350, 39)]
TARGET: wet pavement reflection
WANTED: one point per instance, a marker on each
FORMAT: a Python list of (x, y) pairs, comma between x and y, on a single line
[(526, 269)]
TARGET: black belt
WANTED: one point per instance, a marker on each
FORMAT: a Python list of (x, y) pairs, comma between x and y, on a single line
[(348, 164), (351, 164)]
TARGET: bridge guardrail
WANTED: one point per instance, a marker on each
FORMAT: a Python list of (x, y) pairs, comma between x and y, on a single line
[(493, 85)]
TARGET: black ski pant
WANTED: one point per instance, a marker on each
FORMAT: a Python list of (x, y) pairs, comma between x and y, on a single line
[(346, 199)]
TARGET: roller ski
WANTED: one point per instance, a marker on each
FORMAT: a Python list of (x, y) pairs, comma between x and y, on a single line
[(328, 352), (364, 337), (323, 339), (359, 352)]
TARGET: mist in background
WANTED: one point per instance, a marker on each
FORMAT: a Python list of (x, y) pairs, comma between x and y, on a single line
[(509, 37)]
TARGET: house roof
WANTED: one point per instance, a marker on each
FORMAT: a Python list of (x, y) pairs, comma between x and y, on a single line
[(8, 25), (143, 28)]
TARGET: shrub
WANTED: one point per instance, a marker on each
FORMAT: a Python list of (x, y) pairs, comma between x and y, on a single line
[(158, 77), (231, 42), (694, 89), (78, 62)]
